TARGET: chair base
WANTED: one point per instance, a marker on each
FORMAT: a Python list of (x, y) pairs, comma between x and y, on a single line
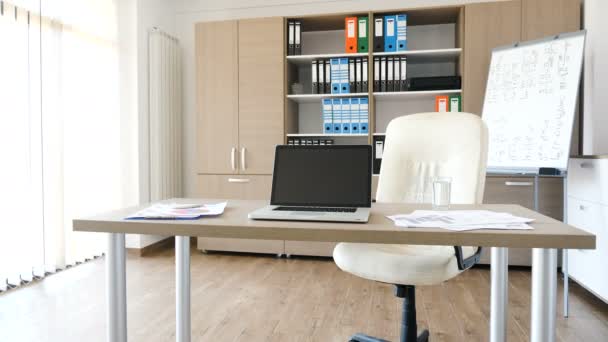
[(423, 337)]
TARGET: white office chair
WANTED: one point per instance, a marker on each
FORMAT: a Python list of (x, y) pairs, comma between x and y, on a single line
[(418, 147)]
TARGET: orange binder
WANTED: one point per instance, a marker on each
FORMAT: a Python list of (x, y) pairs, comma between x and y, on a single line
[(441, 103), (350, 33)]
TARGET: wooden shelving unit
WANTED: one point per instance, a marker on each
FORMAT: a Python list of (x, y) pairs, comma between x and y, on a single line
[(435, 45)]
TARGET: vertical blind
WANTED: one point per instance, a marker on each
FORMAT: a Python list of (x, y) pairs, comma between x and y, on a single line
[(61, 134)]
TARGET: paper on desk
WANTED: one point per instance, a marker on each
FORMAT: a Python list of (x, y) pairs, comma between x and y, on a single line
[(461, 220), (178, 211)]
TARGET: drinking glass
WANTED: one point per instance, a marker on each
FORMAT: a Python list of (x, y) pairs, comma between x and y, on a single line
[(441, 193)]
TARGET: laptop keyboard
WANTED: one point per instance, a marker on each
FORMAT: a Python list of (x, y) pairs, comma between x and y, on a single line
[(321, 209)]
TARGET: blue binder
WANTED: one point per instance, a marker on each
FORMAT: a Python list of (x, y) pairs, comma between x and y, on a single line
[(344, 85), (401, 32), (336, 115), (335, 75), (346, 116), (390, 33), (364, 115), (328, 126), (354, 115)]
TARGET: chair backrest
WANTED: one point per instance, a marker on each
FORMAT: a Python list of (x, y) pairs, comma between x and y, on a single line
[(421, 146)]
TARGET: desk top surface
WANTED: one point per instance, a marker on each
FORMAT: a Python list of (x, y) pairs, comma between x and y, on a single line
[(233, 223)]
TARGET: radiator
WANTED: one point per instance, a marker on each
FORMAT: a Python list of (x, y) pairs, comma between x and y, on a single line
[(165, 116)]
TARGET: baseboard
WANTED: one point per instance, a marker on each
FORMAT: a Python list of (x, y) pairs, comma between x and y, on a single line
[(156, 247)]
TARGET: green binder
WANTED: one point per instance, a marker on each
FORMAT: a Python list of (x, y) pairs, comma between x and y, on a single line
[(455, 103), (362, 35)]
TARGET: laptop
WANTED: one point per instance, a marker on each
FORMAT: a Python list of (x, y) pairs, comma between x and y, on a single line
[(320, 183)]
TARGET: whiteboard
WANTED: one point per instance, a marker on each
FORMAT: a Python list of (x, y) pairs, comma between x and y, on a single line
[(530, 102)]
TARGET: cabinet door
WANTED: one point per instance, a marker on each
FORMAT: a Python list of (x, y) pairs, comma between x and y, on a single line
[(543, 18), (217, 96), (261, 95), (487, 25)]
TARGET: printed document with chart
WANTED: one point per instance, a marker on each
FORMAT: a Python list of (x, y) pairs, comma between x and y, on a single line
[(461, 220)]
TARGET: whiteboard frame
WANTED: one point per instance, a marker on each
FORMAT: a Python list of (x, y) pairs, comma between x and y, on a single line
[(528, 170)]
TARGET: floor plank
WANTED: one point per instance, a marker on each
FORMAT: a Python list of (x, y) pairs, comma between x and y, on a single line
[(238, 297)]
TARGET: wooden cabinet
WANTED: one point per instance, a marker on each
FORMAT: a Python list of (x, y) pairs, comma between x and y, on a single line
[(261, 94), (240, 94), (487, 25), (541, 18), (217, 97)]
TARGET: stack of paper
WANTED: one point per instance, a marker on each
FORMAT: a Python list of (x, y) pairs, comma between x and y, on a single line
[(460, 220), (178, 211)]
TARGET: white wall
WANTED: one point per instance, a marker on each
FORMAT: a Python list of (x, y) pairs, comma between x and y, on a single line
[(189, 12), (595, 117)]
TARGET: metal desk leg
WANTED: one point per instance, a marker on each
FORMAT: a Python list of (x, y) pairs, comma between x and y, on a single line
[(182, 289), (566, 281), (499, 294), (544, 294), (116, 288)]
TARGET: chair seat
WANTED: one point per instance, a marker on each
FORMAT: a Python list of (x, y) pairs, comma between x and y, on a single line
[(399, 264)]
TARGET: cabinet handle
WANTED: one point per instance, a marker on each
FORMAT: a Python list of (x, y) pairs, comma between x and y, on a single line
[(586, 165), (238, 180), (509, 183), (233, 159), (243, 159)]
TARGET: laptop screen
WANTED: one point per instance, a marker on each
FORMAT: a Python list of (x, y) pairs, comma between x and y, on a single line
[(326, 176)]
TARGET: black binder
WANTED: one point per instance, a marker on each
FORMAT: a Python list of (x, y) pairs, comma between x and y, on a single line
[(297, 48), (390, 73), (315, 77), (290, 37), (379, 34), (378, 150), (364, 75), (321, 76), (358, 88), (403, 71), (383, 74), (377, 74), (327, 75), (352, 84)]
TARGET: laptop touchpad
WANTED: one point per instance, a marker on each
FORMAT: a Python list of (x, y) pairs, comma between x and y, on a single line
[(305, 213)]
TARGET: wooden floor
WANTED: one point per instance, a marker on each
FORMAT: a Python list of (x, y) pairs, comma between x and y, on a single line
[(253, 298)]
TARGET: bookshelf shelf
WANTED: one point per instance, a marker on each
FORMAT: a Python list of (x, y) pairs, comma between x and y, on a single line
[(307, 59), (426, 56), (325, 135), (409, 94), (312, 98)]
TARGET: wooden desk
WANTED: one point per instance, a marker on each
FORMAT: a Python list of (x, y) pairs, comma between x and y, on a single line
[(547, 236)]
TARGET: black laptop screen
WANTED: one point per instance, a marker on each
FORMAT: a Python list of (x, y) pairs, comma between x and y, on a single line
[(332, 176)]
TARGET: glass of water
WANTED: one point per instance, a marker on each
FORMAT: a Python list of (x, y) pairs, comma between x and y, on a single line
[(441, 192)]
